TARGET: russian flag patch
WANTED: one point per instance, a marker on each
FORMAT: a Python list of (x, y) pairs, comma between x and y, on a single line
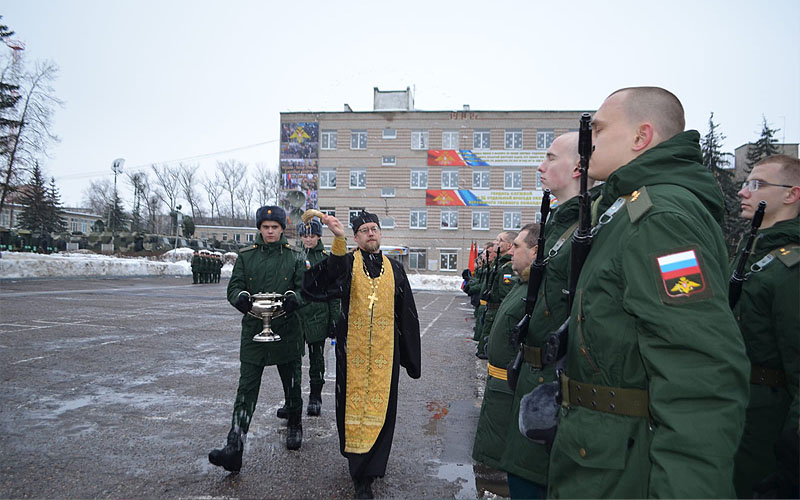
[(681, 274)]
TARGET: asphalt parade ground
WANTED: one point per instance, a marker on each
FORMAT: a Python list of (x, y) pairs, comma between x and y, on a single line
[(120, 388)]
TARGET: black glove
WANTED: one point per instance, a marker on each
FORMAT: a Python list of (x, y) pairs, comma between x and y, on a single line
[(290, 304), (243, 303)]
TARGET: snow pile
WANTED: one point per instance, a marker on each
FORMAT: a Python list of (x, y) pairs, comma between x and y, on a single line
[(173, 263)]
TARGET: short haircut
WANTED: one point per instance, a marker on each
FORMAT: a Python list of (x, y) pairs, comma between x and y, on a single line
[(488, 244), (654, 105), (789, 168), (510, 236), (533, 234)]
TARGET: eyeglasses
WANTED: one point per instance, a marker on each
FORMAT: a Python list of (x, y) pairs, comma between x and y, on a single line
[(753, 185), (366, 230)]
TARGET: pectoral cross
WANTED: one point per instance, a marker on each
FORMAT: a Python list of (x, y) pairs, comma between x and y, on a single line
[(372, 298)]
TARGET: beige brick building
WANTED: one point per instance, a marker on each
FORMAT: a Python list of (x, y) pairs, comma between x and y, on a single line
[(438, 179)]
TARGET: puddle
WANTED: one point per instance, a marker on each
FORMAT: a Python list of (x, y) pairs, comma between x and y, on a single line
[(461, 474)]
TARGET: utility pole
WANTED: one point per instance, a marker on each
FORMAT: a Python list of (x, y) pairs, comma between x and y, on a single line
[(116, 167)]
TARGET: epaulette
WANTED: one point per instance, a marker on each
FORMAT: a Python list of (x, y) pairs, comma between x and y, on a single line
[(788, 255), (639, 204), (286, 245), (324, 252), (253, 247)]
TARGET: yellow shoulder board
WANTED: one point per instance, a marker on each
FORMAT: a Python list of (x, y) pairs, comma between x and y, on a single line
[(788, 255), (639, 204)]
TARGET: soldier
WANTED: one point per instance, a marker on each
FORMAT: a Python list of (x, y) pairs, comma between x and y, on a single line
[(768, 317), (195, 267), (656, 375), (498, 286), (525, 461), (270, 265), (203, 267), (217, 268), (497, 398), (474, 287)]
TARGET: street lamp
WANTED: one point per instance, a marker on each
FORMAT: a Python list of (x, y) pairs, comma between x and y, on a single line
[(178, 222), (116, 167)]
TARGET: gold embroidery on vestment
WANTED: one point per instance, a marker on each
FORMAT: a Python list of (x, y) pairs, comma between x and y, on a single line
[(370, 351)]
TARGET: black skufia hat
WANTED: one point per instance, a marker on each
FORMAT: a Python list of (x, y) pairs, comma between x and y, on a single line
[(362, 218)]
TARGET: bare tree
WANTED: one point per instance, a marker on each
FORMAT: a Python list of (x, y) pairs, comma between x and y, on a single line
[(31, 136), (268, 185), (232, 172), (246, 193), (213, 193), (187, 179), (167, 180), (153, 205), (99, 196)]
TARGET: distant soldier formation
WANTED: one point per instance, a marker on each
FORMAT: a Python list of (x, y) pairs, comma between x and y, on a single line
[(206, 267), (626, 355)]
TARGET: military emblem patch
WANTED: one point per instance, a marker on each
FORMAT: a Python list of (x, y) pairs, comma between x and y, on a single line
[(308, 264), (506, 279), (681, 276)]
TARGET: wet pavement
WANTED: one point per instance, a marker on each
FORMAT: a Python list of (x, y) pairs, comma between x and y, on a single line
[(120, 388)]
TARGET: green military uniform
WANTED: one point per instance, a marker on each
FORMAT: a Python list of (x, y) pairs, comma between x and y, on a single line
[(217, 268), (203, 269), (521, 456), (657, 371), (768, 313), (315, 319), (497, 398), (195, 268), (474, 287), (260, 268), (500, 286)]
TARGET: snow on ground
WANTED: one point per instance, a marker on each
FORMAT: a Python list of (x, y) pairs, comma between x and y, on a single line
[(172, 263)]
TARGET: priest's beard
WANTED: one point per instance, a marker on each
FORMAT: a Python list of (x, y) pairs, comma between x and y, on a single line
[(371, 246)]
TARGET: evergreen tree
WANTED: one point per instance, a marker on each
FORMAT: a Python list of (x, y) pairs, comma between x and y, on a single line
[(117, 218), (718, 163), (9, 96), (188, 226), (40, 213), (766, 145), (54, 204)]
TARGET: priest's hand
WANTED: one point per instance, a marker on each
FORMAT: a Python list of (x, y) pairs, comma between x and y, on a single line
[(334, 225)]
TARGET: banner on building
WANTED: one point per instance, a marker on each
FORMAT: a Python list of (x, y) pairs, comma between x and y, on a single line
[(299, 166), (488, 158), (490, 198)]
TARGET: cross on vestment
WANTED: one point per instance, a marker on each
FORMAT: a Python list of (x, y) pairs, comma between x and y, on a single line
[(372, 298)]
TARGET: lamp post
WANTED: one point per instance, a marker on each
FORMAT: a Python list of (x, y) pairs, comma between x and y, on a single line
[(178, 222), (116, 167)]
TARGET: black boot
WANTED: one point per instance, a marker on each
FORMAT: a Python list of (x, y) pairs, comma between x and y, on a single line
[(294, 438), (363, 487), (281, 413), (315, 400), (229, 457)]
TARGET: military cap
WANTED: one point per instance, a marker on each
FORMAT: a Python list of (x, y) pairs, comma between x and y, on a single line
[(313, 227), (272, 213)]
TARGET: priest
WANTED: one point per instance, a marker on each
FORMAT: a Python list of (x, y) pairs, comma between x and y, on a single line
[(377, 332)]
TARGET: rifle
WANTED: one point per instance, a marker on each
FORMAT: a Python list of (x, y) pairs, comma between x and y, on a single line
[(534, 283), (739, 276), (539, 408)]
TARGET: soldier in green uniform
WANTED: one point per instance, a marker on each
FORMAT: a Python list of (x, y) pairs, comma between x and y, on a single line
[(525, 461), (270, 265), (499, 285), (217, 267), (657, 377), (768, 313), (195, 267), (203, 267), (497, 398), (476, 286)]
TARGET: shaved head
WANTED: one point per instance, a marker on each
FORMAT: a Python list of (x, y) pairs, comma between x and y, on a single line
[(654, 105)]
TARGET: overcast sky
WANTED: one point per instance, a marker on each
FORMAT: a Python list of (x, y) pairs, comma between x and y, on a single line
[(156, 81)]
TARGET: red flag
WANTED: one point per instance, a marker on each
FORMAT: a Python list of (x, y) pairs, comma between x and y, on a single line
[(473, 254)]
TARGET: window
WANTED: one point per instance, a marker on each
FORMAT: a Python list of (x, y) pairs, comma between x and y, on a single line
[(387, 192), (387, 222), (353, 212), (449, 218), (544, 138), (224, 236), (389, 133), (448, 260), (330, 139), (514, 138), (512, 220), (251, 237), (358, 139), (480, 139), (419, 139), (449, 179), (480, 219), (74, 224), (389, 161), (328, 211), (84, 226), (237, 237), (418, 219), (419, 179), (512, 179), (538, 180), (358, 178), (5, 219), (327, 178), (450, 139), (480, 179), (417, 258)]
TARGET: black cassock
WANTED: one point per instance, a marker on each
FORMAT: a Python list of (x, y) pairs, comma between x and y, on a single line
[(331, 279)]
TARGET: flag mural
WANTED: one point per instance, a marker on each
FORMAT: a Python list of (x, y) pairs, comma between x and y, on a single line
[(485, 158), (482, 198)]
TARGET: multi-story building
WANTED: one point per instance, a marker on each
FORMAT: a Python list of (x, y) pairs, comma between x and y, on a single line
[(439, 180)]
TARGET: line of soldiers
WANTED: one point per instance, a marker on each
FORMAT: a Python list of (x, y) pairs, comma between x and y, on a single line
[(663, 384), (206, 267)]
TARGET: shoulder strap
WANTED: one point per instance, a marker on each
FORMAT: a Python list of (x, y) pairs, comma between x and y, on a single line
[(639, 204), (788, 255)]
